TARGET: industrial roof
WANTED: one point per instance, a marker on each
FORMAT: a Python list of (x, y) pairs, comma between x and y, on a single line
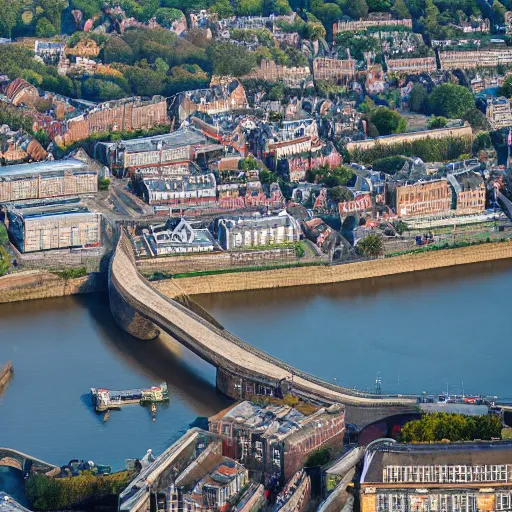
[(46, 208), (71, 164), (182, 137)]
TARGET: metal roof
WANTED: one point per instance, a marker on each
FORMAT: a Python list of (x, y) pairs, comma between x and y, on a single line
[(71, 164)]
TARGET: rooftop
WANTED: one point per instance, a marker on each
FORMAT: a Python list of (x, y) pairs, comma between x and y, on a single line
[(14, 171), (182, 137)]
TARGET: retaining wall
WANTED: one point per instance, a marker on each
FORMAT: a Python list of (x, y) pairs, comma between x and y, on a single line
[(216, 260), (43, 285), (298, 276)]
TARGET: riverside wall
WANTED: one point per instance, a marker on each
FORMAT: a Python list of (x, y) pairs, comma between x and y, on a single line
[(43, 285), (299, 276)]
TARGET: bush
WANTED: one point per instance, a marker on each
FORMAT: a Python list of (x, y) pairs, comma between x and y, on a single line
[(453, 427), (388, 121), (46, 493), (103, 183), (389, 164), (318, 457), (371, 246), (437, 122), (5, 261), (71, 273)]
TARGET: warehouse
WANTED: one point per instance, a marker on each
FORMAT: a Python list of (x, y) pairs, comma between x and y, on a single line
[(52, 224), (47, 179)]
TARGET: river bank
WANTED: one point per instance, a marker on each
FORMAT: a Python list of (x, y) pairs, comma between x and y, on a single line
[(314, 275)]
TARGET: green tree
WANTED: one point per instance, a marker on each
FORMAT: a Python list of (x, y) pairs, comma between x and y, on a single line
[(379, 5), (223, 8), (277, 92), (161, 67), (45, 28), (476, 119), (340, 194), (330, 177), (437, 122), (450, 100), (356, 9), (230, 59), (10, 11), (250, 8), (498, 11), (430, 21), (52, 10), (167, 16), (371, 246), (389, 164), (117, 50), (400, 10), (482, 141), (388, 121), (418, 99)]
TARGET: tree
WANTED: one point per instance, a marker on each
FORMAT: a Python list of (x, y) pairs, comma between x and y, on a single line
[(430, 19), (506, 88), (371, 246), (277, 92), (389, 164), (9, 13), (223, 8), (117, 50), (498, 11), (330, 177), (388, 121), (52, 10), (44, 28), (476, 119), (167, 16), (418, 98), (437, 122), (340, 194), (357, 9), (450, 100), (482, 141), (250, 8), (379, 5), (400, 10), (230, 59)]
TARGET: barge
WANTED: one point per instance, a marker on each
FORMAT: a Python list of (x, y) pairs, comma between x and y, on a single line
[(106, 399)]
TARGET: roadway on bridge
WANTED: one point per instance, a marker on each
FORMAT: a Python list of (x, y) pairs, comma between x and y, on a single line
[(169, 315)]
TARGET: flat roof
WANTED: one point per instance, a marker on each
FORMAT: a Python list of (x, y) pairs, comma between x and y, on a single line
[(70, 164), (182, 137)]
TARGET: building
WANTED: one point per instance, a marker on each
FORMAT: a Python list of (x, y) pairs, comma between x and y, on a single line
[(151, 155), (47, 179), (499, 112), (269, 71), (183, 238), (468, 192), (296, 494), (258, 230), (277, 438), (423, 198), (447, 477), (52, 224), (384, 20), (191, 190), (413, 65), (20, 92), (334, 70), (223, 96), (388, 140), (488, 57), (128, 115)]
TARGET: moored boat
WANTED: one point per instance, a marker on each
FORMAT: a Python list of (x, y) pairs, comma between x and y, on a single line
[(104, 399)]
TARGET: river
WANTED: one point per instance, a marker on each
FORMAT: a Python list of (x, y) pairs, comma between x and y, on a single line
[(419, 331)]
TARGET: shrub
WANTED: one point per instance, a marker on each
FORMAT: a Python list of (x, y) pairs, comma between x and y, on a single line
[(103, 183), (371, 246), (318, 457), (71, 273), (46, 493)]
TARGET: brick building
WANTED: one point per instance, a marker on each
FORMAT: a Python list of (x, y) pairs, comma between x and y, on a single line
[(388, 140), (269, 71), (384, 20), (413, 65), (423, 198), (468, 192), (333, 70), (499, 112), (448, 477), (47, 179), (489, 57), (276, 438)]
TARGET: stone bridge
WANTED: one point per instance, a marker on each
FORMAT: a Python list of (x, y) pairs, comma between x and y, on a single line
[(242, 370), (24, 462)]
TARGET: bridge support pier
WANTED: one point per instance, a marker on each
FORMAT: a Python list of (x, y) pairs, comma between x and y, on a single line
[(128, 318), (240, 388)]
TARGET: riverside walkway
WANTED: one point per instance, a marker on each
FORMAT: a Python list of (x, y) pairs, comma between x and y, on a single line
[(243, 367)]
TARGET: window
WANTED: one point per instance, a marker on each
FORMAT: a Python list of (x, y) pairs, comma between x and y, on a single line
[(258, 450), (276, 456)]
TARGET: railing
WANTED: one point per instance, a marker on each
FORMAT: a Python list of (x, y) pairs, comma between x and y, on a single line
[(125, 245)]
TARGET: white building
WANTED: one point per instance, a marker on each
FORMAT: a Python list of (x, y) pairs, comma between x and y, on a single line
[(183, 239), (258, 230)]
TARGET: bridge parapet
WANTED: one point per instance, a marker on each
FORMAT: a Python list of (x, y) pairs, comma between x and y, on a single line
[(238, 362), (24, 462)]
